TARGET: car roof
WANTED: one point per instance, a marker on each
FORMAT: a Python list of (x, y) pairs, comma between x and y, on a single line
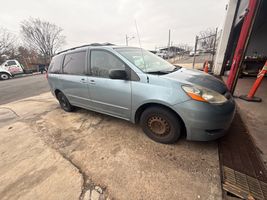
[(84, 47), (93, 45)]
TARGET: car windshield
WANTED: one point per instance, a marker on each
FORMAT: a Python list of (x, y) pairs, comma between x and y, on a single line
[(146, 61)]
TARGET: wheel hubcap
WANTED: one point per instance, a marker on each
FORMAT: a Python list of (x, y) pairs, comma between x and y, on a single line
[(4, 76), (158, 125)]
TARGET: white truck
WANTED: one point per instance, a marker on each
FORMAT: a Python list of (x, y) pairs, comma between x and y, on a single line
[(9, 69)]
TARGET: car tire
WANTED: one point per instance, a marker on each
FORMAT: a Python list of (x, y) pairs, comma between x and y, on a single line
[(161, 125), (4, 76), (64, 102)]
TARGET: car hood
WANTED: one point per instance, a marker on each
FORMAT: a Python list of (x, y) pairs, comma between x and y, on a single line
[(195, 77)]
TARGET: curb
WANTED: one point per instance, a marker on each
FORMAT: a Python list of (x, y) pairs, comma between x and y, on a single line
[(26, 75)]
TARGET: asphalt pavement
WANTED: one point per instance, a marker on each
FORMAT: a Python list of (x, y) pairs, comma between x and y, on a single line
[(19, 88)]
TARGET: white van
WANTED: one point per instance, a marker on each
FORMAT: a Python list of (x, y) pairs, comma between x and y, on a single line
[(10, 68), (192, 53)]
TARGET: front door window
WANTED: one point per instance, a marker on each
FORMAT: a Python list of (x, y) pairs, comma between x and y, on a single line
[(102, 62)]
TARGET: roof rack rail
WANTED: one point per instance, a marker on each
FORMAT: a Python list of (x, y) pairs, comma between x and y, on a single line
[(86, 45)]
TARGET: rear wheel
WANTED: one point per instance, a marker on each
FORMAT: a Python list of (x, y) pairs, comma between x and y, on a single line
[(161, 125), (4, 76), (64, 102)]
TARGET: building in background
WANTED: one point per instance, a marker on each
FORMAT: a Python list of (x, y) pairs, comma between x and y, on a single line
[(255, 51)]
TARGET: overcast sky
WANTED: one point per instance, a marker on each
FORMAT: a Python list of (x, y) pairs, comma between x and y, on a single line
[(88, 21)]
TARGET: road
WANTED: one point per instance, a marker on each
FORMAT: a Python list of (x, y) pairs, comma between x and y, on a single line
[(19, 88)]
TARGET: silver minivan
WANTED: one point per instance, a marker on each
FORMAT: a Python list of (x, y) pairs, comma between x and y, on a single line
[(133, 84)]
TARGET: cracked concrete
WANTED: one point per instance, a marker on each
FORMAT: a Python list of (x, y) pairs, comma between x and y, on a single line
[(30, 170), (93, 156)]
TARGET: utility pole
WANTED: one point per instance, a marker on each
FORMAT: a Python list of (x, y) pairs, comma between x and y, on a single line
[(195, 52), (169, 40), (169, 43), (127, 39)]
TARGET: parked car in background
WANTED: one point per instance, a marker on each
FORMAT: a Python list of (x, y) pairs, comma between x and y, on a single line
[(10, 68), (138, 86), (162, 54), (171, 54), (192, 53)]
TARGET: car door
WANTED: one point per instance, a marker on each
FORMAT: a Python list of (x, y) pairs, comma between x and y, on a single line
[(74, 80), (111, 96)]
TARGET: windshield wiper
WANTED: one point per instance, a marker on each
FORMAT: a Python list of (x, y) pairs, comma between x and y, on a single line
[(161, 72), (158, 72), (176, 68)]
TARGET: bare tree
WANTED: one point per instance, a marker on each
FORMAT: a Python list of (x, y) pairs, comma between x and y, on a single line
[(208, 38), (7, 44), (28, 56), (43, 36)]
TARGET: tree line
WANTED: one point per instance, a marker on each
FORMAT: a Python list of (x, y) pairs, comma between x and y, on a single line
[(36, 42)]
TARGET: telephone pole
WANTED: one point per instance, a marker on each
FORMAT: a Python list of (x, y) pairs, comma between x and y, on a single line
[(169, 40), (127, 39), (169, 43)]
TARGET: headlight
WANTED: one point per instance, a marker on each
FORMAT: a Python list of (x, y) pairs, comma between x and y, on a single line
[(203, 94)]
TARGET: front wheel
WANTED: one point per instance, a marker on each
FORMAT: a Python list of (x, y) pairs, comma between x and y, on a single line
[(64, 102), (161, 125), (4, 76)]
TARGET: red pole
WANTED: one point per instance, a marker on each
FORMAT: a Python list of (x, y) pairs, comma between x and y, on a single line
[(240, 48)]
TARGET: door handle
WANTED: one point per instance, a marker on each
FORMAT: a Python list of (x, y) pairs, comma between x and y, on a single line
[(83, 80), (92, 82)]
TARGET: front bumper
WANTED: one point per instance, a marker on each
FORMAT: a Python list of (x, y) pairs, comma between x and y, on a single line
[(204, 121)]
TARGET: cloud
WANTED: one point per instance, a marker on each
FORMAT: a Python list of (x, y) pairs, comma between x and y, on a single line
[(88, 21)]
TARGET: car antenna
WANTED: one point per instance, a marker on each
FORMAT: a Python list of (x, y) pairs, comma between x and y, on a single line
[(136, 27)]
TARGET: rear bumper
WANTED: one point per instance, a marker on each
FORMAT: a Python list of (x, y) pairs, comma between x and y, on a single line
[(205, 121)]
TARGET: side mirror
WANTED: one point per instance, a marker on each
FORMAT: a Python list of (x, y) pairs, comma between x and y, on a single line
[(118, 74)]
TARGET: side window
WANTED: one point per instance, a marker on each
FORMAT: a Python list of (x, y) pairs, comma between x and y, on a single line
[(55, 65), (9, 63), (102, 62), (74, 63)]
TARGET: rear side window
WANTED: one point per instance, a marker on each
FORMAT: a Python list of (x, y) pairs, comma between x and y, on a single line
[(55, 65), (102, 62), (74, 63), (9, 63)]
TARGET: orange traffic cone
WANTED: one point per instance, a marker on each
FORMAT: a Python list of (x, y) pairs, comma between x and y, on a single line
[(250, 96), (206, 67)]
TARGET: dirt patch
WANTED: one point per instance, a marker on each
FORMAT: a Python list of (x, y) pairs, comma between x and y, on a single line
[(117, 155)]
